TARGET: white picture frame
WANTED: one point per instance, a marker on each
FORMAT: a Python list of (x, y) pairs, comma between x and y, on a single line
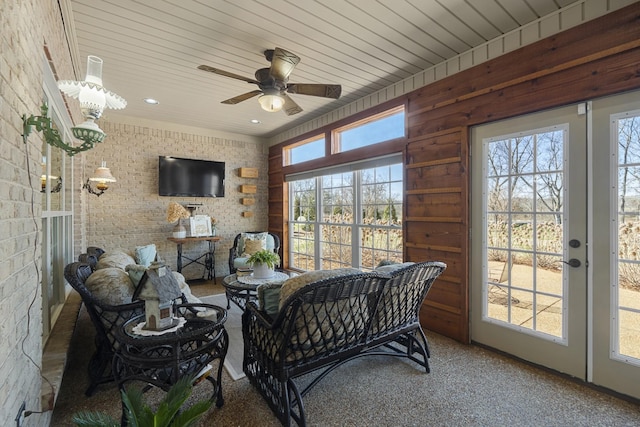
[(199, 226)]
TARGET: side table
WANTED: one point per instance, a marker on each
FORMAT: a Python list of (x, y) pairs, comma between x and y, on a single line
[(209, 262), (243, 292), (161, 360)]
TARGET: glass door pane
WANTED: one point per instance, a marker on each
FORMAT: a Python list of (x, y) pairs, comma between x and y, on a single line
[(525, 230)]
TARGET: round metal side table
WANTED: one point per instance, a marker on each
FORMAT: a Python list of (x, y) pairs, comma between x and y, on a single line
[(161, 360)]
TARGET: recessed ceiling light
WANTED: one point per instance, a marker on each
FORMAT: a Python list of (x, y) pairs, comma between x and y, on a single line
[(255, 121), (151, 101)]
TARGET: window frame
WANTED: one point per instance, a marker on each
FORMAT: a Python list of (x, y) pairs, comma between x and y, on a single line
[(57, 218), (287, 152), (318, 223), (336, 139)]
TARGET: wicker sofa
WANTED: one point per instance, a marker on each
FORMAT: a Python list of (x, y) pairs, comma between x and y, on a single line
[(328, 322)]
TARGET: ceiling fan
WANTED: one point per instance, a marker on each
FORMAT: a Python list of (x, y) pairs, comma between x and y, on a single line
[(274, 84)]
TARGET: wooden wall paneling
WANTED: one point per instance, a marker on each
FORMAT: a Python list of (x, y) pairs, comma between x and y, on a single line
[(609, 35), (436, 200), (599, 58)]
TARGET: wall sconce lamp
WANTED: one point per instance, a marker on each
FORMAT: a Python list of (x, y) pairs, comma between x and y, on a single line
[(93, 97), (55, 188), (103, 177)]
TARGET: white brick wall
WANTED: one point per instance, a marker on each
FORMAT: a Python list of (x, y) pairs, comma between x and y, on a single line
[(131, 213), (26, 26)]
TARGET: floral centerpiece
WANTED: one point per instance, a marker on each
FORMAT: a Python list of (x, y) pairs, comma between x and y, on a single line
[(176, 213), (263, 262), (213, 226)]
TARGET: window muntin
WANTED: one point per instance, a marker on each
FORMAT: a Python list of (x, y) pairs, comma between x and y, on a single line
[(373, 130), (360, 221), (309, 149)]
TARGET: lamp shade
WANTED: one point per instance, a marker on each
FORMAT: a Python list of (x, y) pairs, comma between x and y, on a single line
[(271, 103), (92, 95), (102, 174)]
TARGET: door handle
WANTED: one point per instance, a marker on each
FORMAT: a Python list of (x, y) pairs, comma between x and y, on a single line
[(573, 263)]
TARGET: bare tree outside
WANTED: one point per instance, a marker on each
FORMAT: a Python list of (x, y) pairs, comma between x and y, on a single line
[(379, 191), (629, 157)]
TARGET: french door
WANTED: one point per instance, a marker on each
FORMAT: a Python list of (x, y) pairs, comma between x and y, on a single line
[(556, 239), (615, 254), (529, 200)]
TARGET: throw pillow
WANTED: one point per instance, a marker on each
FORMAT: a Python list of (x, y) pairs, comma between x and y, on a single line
[(251, 247), (294, 283), (110, 286), (145, 255), (269, 298), (251, 236), (117, 259), (390, 268), (135, 272)]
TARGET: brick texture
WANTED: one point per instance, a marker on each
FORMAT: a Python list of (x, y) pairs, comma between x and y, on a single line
[(28, 30), (131, 213)]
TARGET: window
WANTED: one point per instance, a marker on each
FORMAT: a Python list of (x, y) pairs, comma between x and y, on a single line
[(57, 212), (309, 149), (372, 130), (362, 204)]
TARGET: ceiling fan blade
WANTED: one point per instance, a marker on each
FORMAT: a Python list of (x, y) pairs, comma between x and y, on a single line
[(282, 64), (290, 107), (226, 73), (326, 91), (243, 97)]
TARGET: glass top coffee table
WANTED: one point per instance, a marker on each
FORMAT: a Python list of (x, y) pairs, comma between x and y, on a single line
[(242, 290)]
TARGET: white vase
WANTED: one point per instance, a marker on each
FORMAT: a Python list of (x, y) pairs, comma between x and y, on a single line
[(179, 232), (262, 271)]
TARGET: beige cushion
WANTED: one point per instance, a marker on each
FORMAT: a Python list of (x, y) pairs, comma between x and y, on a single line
[(117, 259), (110, 286), (252, 246), (244, 237), (390, 268), (294, 283), (323, 326)]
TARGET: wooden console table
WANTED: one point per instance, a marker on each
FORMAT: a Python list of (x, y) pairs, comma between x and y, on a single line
[(209, 262)]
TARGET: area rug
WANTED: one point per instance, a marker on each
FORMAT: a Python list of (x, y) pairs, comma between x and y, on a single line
[(233, 325)]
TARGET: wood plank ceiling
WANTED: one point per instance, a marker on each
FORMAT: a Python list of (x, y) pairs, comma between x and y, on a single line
[(151, 48)]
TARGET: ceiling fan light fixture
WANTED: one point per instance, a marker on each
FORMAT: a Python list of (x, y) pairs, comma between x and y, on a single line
[(271, 103)]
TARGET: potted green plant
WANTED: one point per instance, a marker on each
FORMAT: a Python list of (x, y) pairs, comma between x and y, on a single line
[(138, 414), (263, 262)]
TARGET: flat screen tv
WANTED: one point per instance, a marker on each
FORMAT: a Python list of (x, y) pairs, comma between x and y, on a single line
[(190, 177)]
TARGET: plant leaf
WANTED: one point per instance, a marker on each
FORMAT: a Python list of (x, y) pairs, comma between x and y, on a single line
[(94, 419), (134, 406), (189, 417), (173, 401)]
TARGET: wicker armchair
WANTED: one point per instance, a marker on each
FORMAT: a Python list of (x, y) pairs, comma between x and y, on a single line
[(330, 322), (237, 248), (91, 256), (105, 318)]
